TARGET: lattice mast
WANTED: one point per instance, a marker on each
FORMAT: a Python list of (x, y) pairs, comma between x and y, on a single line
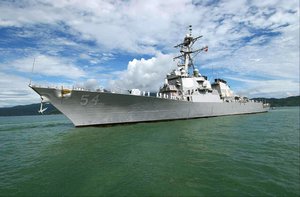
[(186, 50)]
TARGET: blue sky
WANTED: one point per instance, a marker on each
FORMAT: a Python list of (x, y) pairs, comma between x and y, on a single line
[(253, 44)]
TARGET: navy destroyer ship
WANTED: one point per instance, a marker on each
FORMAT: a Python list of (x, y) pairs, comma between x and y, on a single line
[(183, 95)]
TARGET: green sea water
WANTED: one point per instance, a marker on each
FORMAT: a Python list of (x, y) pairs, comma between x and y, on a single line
[(242, 155)]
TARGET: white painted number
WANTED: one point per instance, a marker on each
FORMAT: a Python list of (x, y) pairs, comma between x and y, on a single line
[(95, 100), (85, 99)]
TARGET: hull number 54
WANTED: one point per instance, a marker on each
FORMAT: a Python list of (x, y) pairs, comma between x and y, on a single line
[(86, 99)]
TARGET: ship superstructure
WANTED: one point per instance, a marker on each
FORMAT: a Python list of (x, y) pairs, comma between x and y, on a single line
[(180, 84), (185, 94)]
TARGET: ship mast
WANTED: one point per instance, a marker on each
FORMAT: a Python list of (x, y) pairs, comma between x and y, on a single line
[(186, 50)]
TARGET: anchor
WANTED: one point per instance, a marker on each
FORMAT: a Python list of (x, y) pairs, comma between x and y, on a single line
[(41, 111)]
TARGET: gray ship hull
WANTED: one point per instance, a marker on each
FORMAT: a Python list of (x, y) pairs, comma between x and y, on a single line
[(85, 108)]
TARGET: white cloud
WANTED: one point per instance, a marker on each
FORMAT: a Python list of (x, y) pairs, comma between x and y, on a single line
[(48, 66), (149, 27), (15, 91), (96, 58), (140, 26), (267, 88), (279, 59), (144, 74)]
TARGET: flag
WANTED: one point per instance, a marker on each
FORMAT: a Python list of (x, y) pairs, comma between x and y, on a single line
[(206, 49)]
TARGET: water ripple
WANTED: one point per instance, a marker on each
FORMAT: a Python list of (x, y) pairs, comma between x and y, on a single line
[(252, 155)]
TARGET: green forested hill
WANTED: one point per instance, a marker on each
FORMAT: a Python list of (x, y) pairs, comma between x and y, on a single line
[(23, 110), (32, 109), (281, 102)]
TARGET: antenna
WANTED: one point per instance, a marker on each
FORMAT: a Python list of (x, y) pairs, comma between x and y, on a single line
[(32, 71), (190, 28)]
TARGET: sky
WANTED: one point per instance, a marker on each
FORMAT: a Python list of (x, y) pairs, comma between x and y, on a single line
[(120, 45)]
